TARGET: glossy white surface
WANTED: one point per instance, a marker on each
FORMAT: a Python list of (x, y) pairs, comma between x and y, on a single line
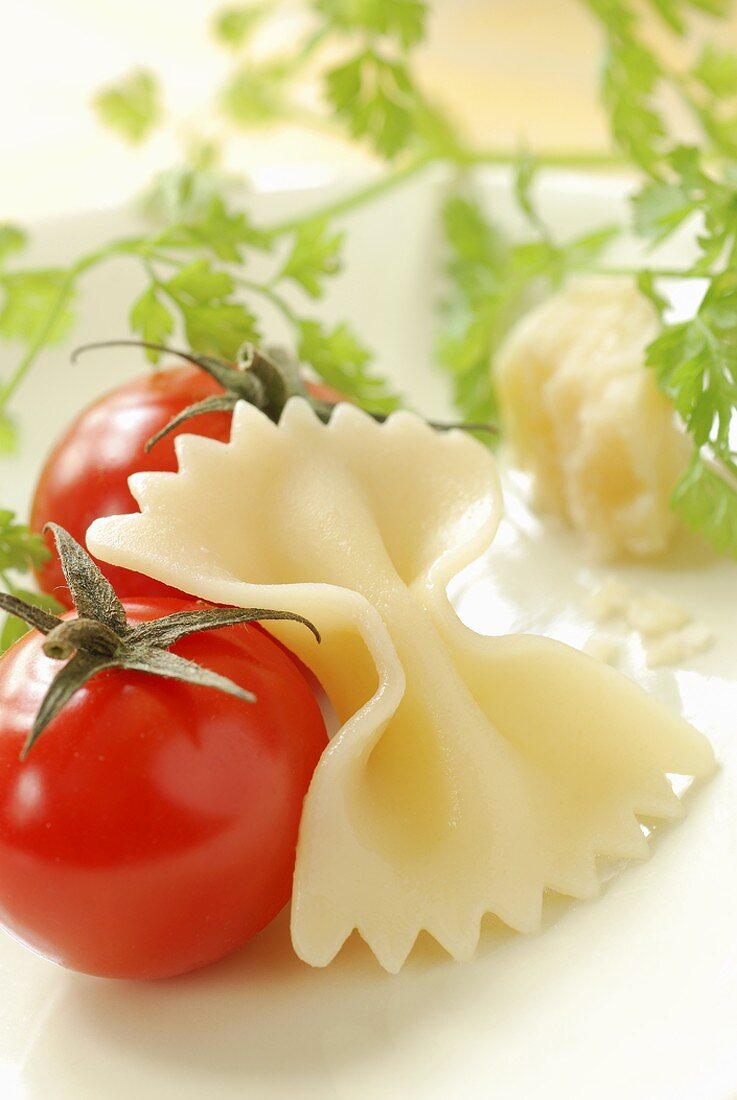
[(634, 995)]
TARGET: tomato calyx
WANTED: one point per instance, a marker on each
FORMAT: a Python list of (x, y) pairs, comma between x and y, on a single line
[(266, 379), (101, 637)]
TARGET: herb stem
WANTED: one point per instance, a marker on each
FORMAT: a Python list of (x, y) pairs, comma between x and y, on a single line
[(41, 339), (272, 296), (376, 188), (656, 272), (310, 46), (265, 290), (335, 209), (7, 583), (574, 158), (373, 190), (124, 246)]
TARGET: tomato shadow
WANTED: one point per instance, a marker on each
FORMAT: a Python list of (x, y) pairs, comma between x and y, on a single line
[(262, 1024), (259, 1023)]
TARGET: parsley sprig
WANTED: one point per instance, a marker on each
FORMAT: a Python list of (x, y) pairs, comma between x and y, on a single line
[(194, 280), (491, 281), (694, 361), (198, 266)]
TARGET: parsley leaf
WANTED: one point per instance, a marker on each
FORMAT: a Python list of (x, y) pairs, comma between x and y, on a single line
[(20, 551), (404, 19), (707, 504), (659, 208), (199, 282), (220, 328), (255, 94), (20, 548), (687, 363), (219, 231), (233, 27), (315, 253), (8, 435), (339, 358), (695, 363), (472, 313), (214, 324), (490, 283), (13, 628), (30, 299), (12, 239), (630, 77), (375, 97), (152, 320), (674, 12), (131, 107), (720, 129), (717, 70), (184, 194)]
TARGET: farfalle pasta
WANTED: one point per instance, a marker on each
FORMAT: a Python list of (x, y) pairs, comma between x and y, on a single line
[(470, 773)]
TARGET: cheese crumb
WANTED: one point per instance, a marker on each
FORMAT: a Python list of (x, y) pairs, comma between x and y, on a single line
[(604, 648), (677, 646), (609, 600), (664, 626), (652, 614)]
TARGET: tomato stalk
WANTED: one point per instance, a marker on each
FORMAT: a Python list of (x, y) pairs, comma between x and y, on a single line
[(266, 379), (101, 637)]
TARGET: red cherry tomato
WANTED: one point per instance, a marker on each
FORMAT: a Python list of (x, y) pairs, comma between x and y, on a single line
[(86, 474), (153, 827)]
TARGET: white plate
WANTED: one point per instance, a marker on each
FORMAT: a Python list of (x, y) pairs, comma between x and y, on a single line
[(634, 995)]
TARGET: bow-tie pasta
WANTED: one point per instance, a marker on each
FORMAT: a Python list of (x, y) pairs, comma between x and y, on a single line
[(470, 773)]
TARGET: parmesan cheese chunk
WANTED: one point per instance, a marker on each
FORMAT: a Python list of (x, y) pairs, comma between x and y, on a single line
[(585, 417)]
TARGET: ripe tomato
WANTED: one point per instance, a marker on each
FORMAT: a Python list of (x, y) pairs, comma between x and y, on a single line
[(86, 474), (153, 827)]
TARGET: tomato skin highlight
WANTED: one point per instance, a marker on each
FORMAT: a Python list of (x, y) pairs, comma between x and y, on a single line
[(86, 474), (152, 829)]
